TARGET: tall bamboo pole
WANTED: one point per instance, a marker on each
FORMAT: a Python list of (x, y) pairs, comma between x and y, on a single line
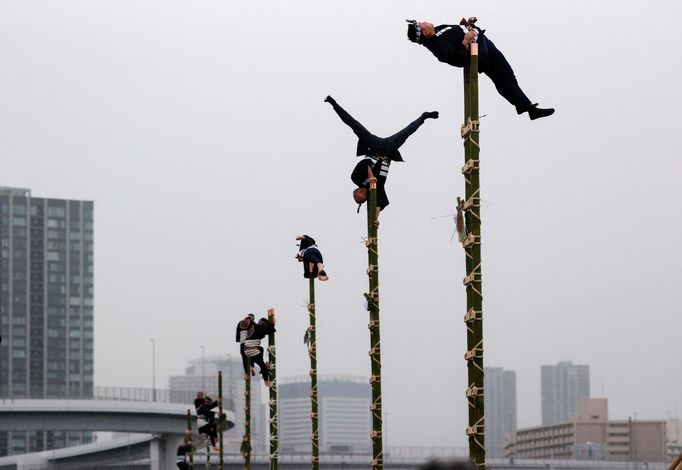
[(246, 441), (188, 435), (374, 332), (473, 279), (221, 417), (312, 352), (272, 367)]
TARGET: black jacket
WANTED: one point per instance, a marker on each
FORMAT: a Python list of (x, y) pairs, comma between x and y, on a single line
[(205, 411), (359, 177), (311, 255), (447, 45)]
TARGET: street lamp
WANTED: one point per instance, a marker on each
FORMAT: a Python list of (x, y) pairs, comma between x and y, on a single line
[(203, 370), (153, 369)]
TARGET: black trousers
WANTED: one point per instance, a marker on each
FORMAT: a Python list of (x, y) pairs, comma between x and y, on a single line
[(211, 431), (312, 255), (183, 465), (387, 146), (493, 63), (258, 359)]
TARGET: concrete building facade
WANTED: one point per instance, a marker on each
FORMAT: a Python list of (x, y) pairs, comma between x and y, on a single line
[(592, 436), (46, 306), (563, 386), (500, 409), (343, 410)]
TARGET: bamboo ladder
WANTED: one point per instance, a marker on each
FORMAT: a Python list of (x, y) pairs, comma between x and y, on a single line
[(272, 402), (471, 242), (375, 338), (312, 352), (246, 440)]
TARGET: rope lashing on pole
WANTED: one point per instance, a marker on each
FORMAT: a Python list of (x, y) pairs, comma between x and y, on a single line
[(470, 237), (372, 297), (272, 402), (312, 353)]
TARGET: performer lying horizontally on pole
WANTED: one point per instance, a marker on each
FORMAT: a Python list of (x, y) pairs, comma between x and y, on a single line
[(379, 151), (450, 44)]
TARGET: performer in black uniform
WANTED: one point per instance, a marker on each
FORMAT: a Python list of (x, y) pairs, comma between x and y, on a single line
[(183, 450), (210, 429), (248, 337), (309, 254), (199, 400), (450, 44), (379, 151)]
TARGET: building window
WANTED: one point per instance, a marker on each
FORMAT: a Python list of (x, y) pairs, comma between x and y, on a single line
[(55, 211)]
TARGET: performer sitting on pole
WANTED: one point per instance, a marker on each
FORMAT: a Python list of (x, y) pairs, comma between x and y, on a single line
[(206, 420), (310, 256), (250, 349), (379, 151), (450, 44)]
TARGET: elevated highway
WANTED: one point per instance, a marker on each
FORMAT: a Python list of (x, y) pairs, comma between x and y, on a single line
[(165, 422)]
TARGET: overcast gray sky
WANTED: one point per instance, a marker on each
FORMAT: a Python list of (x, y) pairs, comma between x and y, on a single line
[(198, 129)]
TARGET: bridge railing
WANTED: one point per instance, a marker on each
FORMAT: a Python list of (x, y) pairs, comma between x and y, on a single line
[(138, 394)]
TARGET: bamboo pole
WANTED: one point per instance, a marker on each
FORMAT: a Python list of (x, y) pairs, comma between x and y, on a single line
[(312, 352), (272, 368), (246, 441), (473, 280), (375, 337), (221, 417), (188, 435)]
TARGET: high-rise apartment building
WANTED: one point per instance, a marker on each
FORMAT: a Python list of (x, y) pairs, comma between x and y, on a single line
[(343, 411), (202, 375), (46, 306), (500, 409), (563, 386)]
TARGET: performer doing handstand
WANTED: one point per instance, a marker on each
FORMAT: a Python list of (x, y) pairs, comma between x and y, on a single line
[(379, 151)]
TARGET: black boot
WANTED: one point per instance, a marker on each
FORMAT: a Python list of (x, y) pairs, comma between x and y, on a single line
[(430, 115), (330, 100), (536, 113)]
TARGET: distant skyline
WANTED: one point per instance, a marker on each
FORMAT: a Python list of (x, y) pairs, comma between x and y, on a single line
[(201, 135)]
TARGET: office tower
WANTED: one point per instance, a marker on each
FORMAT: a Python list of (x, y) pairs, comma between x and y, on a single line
[(202, 375), (46, 306), (343, 410), (563, 386), (500, 409)]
